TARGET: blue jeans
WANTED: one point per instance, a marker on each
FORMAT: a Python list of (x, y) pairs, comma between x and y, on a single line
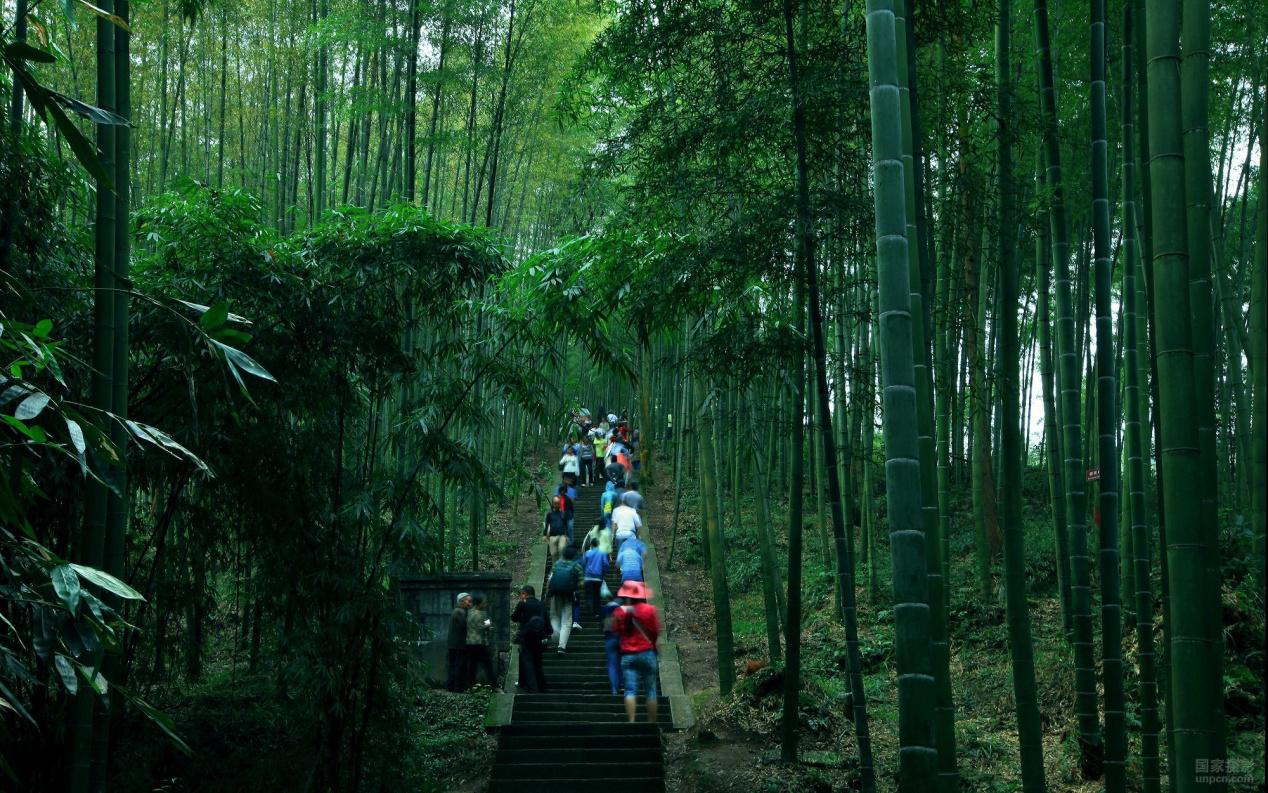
[(639, 666), (612, 643)]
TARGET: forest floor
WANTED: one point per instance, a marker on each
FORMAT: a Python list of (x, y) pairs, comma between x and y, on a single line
[(735, 743)]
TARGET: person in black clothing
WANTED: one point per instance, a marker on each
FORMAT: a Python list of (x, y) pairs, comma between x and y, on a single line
[(457, 644), (615, 472), (534, 633)]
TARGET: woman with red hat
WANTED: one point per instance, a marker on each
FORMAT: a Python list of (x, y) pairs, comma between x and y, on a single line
[(637, 623)]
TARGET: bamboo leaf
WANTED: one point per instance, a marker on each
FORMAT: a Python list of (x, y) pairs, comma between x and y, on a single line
[(104, 14), (76, 435), (107, 582), (243, 361), (214, 317), (66, 671), (91, 112), (66, 585), (26, 52), (31, 407)]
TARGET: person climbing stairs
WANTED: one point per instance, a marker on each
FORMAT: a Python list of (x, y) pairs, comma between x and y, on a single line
[(577, 732)]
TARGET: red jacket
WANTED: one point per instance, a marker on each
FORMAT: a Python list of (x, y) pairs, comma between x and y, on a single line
[(627, 627)]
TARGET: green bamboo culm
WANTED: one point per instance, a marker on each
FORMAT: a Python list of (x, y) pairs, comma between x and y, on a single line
[(1190, 667), (1107, 423), (1021, 648), (1195, 44), (917, 763), (918, 273), (1259, 357), (90, 549), (1068, 388), (1133, 434), (713, 536), (1051, 435), (114, 553), (790, 719)]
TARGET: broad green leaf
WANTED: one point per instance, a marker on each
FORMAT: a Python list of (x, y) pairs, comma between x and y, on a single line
[(156, 437), (42, 103), (31, 407), (26, 52), (66, 585), (76, 435), (42, 329), (243, 361), (214, 317), (107, 582), (66, 671), (91, 112), (95, 680), (13, 392)]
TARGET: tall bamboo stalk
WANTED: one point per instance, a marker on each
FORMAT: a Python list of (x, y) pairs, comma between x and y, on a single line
[(918, 759), (1107, 424), (1190, 667), (1021, 648), (1068, 388)]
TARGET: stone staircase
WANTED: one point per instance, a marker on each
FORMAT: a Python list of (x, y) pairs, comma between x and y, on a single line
[(577, 732)]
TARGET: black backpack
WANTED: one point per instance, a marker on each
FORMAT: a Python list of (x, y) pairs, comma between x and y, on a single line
[(563, 579)]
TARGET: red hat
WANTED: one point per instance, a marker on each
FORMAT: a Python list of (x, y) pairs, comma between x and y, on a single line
[(635, 589)]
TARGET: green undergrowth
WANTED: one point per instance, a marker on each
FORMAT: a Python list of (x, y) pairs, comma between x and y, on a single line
[(980, 665), (247, 737)]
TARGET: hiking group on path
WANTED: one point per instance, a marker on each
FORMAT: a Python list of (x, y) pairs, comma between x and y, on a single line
[(631, 625)]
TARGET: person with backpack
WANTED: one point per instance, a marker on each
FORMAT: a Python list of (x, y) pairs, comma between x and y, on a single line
[(456, 680), (479, 640), (586, 457), (565, 578), (533, 636), (614, 471), (594, 566), (556, 529), (607, 503), (637, 623)]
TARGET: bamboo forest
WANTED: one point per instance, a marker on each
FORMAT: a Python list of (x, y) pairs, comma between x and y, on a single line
[(633, 396)]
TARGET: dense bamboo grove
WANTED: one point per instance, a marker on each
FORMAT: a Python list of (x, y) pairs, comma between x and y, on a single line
[(943, 325)]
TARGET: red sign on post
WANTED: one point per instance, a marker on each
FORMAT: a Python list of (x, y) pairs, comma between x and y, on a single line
[(1093, 474)]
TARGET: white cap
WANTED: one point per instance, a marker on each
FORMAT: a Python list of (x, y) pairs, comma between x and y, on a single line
[(463, 596)]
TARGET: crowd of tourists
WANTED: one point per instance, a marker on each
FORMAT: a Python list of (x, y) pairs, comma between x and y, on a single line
[(602, 453)]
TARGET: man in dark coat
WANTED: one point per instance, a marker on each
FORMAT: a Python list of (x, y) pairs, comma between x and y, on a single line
[(457, 643), (534, 633)]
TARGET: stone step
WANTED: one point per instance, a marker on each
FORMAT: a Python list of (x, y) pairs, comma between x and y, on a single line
[(571, 770), (637, 730), (585, 717), (608, 750), (555, 785)]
